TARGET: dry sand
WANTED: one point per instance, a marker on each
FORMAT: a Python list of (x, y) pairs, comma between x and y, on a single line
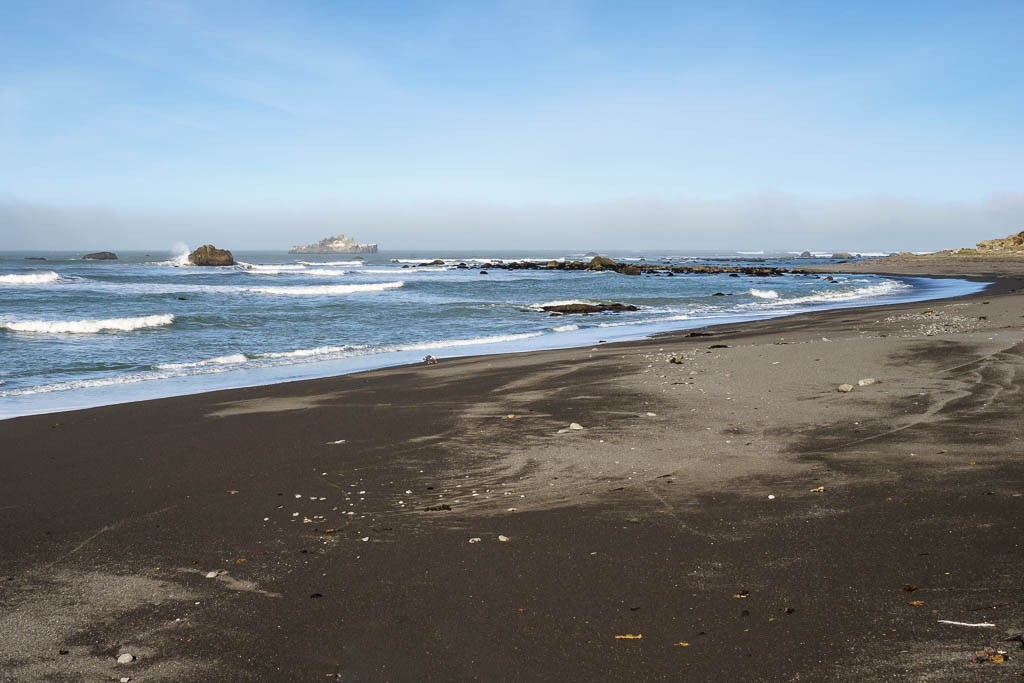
[(725, 513)]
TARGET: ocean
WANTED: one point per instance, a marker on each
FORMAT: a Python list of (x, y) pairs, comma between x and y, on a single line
[(76, 333)]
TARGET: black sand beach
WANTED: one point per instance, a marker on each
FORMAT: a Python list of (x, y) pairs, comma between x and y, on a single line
[(725, 513)]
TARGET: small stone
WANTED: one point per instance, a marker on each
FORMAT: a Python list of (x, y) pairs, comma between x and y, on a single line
[(845, 388), (771, 496), (475, 539), (575, 426), (504, 539), (211, 575), (652, 415), (866, 382), (125, 679), (127, 658)]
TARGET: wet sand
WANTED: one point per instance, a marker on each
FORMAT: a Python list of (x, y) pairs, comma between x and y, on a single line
[(725, 513)]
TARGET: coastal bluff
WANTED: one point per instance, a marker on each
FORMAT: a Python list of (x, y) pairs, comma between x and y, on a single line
[(335, 245)]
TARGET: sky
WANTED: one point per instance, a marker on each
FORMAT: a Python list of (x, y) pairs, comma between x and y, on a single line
[(525, 124)]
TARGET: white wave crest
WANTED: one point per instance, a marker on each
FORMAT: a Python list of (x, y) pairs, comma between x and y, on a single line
[(447, 343), (87, 326), (885, 288), (325, 290), (764, 293), (330, 263), (565, 328), (40, 278), (233, 359), (318, 352)]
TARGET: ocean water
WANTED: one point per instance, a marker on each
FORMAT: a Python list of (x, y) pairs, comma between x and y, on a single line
[(77, 333)]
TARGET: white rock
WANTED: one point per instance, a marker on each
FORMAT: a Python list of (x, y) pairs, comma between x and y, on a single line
[(211, 575), (125, 679), (575, 426), (866, 382), (652, 415), (845, 388), (475, 539), (504, 539), (771, 496), (364, 539), (127, 658)]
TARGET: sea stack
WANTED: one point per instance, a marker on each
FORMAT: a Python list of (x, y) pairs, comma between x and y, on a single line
[(209, 255)]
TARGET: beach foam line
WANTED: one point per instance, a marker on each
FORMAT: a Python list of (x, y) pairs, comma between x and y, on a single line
[(318, 352), (323, 290), (233, 359), (87, 326), (886, 288), (38, 278)]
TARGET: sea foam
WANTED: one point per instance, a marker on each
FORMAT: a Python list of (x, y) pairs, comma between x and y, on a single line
[(87, 326), (764, 293), (40, 278)]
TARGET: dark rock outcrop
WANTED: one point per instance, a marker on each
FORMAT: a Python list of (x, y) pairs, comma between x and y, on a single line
[(209, 255), (589, 308), (602, 263), (101, 256)]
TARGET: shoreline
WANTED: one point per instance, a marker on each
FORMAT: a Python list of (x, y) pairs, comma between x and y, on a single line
[(725, 513), (119, 393)]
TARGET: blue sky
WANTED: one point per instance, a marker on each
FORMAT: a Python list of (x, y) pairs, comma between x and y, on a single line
[(160, 111)]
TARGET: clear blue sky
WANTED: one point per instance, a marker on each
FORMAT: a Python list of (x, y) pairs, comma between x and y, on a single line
[(202, 108)]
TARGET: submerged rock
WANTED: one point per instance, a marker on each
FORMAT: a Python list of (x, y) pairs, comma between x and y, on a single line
[(209, 255)]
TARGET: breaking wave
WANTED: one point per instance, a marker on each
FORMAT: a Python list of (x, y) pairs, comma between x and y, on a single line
[(40, 278), (87, 326), (324, 290), (233, 359), (764, 293)]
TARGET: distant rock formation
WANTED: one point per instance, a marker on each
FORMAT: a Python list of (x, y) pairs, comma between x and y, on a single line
[(843, 254), (335, 245), (1013, 243), (806, 254), (209, 255), (101, 256)]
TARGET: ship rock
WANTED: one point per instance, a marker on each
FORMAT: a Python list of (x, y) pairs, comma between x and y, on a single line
[(335, 245)]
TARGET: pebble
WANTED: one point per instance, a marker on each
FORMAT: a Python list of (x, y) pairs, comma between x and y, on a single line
[(652, 415), (128, 658), (475, 539), (125, 679), (866, 382), (575, 426), (845, 388), (504, 539), (211, 575), (771, 496)]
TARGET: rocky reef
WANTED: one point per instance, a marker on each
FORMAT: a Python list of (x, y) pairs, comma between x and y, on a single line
[(335, 245), (209, 255), (101, 256)]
